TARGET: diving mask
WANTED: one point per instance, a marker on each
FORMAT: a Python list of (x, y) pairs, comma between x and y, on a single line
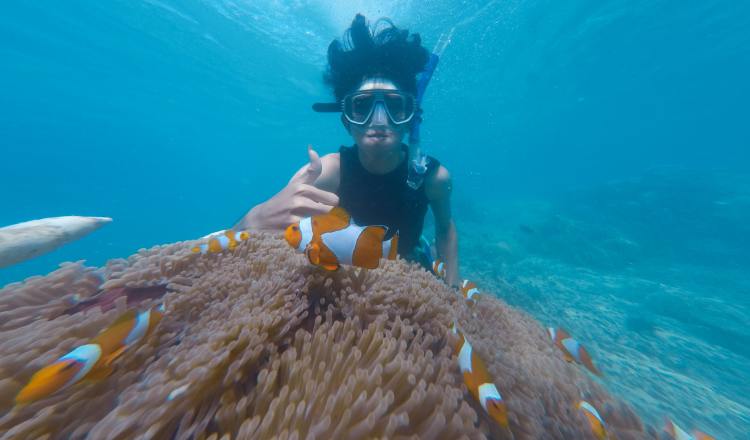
[(358, 107)]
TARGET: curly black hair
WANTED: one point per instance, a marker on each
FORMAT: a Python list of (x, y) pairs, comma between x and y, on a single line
[(391, 53)]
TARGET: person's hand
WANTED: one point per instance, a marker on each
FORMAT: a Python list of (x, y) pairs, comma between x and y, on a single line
[(299, 199)]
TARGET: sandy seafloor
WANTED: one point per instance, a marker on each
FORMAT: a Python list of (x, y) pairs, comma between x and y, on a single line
[(666, 319)]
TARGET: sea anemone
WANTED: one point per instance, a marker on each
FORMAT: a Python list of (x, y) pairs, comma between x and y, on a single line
[(257, 343)]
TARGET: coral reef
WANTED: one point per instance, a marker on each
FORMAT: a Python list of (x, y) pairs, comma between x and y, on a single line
[(256, 343)]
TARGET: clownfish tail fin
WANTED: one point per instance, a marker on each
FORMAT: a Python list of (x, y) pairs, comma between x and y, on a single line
[(390, 247), (313, 253)]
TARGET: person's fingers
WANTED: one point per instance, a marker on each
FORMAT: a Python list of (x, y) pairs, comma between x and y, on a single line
[(308, 208), (294, 219), (314, 168), (319, 195)]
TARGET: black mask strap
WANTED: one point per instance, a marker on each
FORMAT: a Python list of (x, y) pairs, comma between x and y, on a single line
[(327, 107)]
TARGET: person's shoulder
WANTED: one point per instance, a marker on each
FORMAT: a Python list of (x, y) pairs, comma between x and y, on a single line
[(438, 184)]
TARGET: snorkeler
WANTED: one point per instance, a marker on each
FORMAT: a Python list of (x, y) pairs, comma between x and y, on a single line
[(373, 76)]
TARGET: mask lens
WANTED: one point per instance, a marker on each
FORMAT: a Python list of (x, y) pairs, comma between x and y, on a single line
[(360, 107), (400, 107)]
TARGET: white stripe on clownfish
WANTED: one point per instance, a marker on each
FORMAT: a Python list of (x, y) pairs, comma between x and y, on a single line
[(681, 434), (596, 423), (469, 292), (343, 242), (488, 391), (306, 233), (587, 406), (464, 357), (340, 242), (677, 433), (438, 267), (202, 248), (139, 328), (223, 241), (88, 355), (572, 346)]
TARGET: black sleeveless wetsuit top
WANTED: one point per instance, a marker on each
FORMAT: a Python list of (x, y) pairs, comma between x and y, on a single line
[(384, 199)]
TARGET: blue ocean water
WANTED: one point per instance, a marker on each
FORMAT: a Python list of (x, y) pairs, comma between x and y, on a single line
[(599, 152)]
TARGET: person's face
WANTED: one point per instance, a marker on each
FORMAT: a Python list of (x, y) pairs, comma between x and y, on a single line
[(379, 133)]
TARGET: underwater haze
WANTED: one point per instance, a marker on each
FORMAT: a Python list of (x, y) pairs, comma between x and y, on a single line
[(599, 154)]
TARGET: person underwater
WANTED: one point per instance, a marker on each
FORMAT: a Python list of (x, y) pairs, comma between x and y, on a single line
[(374, 80)]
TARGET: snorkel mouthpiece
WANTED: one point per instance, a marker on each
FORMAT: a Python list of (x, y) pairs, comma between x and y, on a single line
[(417, 170)]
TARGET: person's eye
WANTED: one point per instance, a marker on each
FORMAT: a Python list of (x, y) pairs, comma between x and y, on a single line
[(395, 104), (362, 103)]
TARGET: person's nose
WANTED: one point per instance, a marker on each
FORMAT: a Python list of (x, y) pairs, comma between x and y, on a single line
[(379, 115)]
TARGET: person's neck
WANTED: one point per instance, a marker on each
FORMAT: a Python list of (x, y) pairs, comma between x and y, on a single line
[(381, 162)]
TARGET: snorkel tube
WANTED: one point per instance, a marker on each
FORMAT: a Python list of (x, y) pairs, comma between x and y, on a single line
[(418, 161)]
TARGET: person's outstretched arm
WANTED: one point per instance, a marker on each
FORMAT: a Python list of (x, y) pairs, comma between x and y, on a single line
[(309, 192), (438, 189)]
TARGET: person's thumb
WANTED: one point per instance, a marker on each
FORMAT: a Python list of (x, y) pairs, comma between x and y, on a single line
[(314, 168)]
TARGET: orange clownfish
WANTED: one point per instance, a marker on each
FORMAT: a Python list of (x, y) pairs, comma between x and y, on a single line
[(331, 239), (127, 330), (438, 268), (478, 381), (299, 235), (92, 360), (60, 374), (228, 239), (677, 433), (469, 290), (572, 350), (598, 427)]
